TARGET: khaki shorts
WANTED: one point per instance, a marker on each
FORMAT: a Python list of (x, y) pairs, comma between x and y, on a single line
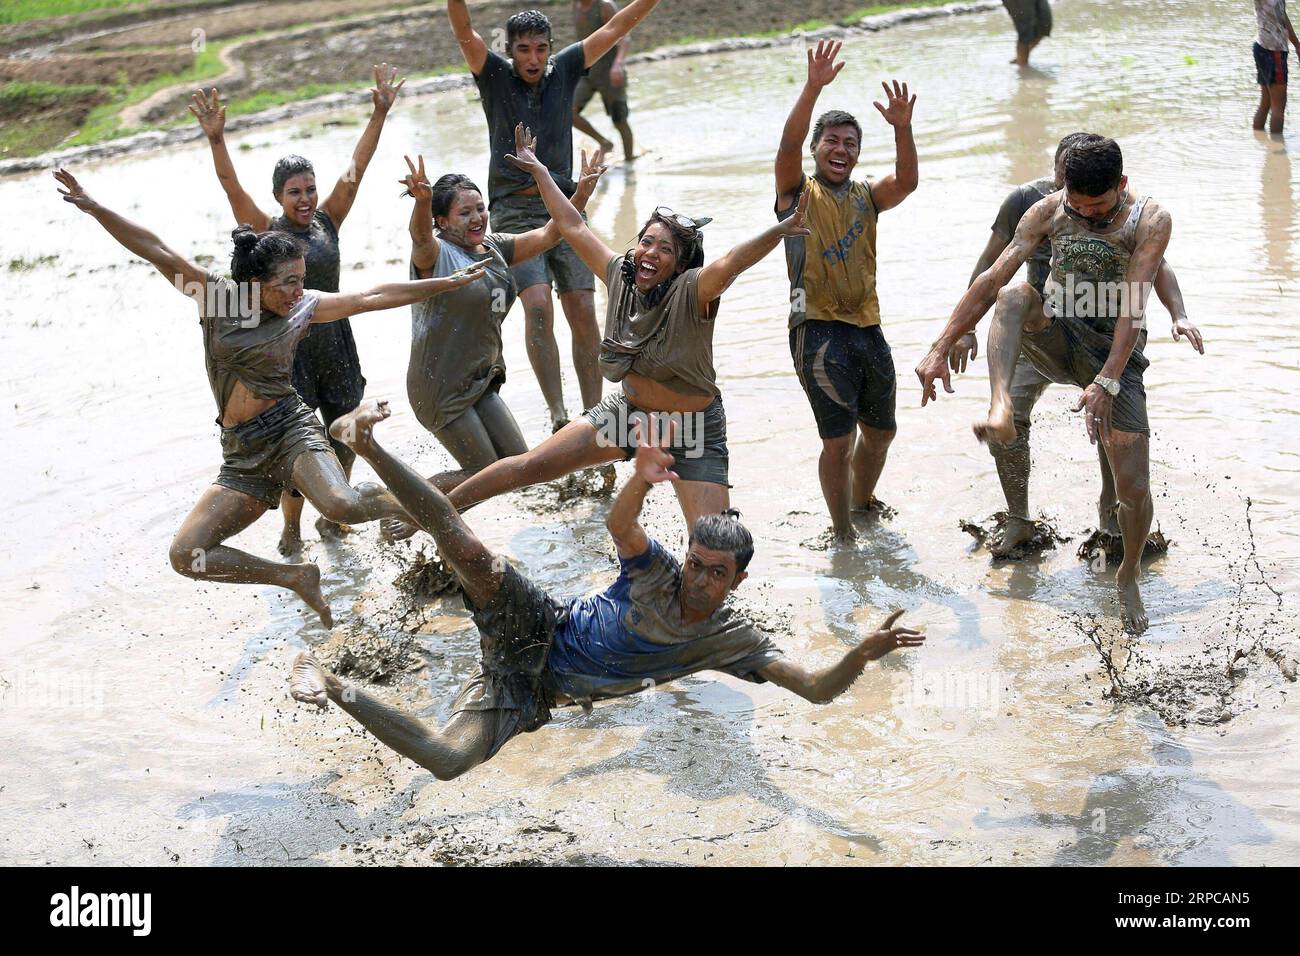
[(559, 266), (259, 454)]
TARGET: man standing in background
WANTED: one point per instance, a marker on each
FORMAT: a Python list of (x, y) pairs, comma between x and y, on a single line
[(607, 77), (1033, 20)]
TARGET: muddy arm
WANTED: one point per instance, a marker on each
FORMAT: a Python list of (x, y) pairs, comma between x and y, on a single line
[(824, 685)]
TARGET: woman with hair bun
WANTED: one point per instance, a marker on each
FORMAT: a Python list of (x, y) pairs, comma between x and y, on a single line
[(326, 370), (251, 325)]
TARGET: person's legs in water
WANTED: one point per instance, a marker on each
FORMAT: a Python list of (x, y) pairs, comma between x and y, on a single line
[(582, 96), (1277, 107), (1129, 455), (1019, 309), (459, 745), (543, 352), (1014, 460), (580, 310), (197, 550), (1260, 119), (870, 449), (573, 447), (1107, 501), (502, 429), (616, 108), (319, 476)]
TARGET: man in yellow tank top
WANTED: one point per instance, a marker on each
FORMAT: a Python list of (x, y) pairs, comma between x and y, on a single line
[(839, 351)]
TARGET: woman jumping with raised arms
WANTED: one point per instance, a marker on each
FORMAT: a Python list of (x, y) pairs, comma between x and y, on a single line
[(658, 343), (326, 370), (269, 439)]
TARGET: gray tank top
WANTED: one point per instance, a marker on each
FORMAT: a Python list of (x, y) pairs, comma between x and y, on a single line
[(243, 344), (322, 241), (1089, 269)]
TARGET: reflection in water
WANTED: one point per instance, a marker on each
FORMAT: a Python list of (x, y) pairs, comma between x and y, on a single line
[(1277, 207), (1029, 142)]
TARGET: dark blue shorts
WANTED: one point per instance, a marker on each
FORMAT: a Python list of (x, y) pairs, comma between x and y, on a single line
[(847, 372), (1270, 66)]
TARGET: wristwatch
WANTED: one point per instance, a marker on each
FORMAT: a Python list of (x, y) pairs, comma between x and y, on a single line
[(1111, 385)]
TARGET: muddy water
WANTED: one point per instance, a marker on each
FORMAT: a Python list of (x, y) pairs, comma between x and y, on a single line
[(144, 719)]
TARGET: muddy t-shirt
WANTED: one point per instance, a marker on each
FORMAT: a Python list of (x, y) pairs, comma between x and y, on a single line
[(322, 242), (244, 344), (1018, 202), (456, 337), (1270, 18), (547, 111), (631, 636), (670, 342)]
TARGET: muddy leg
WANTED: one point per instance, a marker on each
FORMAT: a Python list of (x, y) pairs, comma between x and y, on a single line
[(580, 310), (1019, 309), (1108, 502), (319, 476), (1261, 111), (698, 498), (543, 352), (1129, 454), (197, 551), (869, 453), (834, 470)]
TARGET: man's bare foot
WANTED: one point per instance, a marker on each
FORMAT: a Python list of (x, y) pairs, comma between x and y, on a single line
[(395, 529), (306, 584), (355, 429), (847, 535), (1135, 613), (1016, 532), (307, 681), (999, 427), (290, 542), (331, 530), (606, 145)]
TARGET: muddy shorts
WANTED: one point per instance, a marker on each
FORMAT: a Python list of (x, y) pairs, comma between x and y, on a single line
[(699, 448), (613, 97), (1072, 352), (559, 266), (847, 372), (1270, 66), (516, 630), (1033, 19), (327, 375), (259, 453)]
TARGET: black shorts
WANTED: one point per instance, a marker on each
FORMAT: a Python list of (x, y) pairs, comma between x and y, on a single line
[(1270, 66), (614, 98), (1033, 19), (847, 372), (699, 450), (516, 630)]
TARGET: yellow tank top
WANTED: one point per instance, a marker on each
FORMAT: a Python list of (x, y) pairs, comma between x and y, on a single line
[(839, 270)]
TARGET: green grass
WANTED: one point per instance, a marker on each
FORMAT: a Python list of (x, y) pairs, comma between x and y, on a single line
[(20, 98), (19, 11)]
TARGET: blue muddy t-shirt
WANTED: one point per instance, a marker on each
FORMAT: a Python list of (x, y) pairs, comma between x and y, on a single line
[(620, 640)]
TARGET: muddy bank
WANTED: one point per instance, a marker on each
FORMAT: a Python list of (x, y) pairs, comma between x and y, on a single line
[(421, 43)]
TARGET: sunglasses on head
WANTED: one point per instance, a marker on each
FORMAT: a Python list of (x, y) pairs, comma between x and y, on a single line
[(686, 222)]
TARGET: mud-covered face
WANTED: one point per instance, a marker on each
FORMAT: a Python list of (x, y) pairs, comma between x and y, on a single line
[(708, 576), (530, 51), (655, 256), (280, 291), (1097, 212), (466, 222), (298, 198), (836, 153)]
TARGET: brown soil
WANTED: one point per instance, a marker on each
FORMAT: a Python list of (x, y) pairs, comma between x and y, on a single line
[(70, 70)]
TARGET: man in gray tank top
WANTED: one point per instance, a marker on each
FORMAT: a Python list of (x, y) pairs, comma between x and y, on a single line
[(1086, 329)]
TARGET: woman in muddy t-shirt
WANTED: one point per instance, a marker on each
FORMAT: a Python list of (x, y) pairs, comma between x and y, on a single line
[(269, 439), (658, 344), (326, 369)]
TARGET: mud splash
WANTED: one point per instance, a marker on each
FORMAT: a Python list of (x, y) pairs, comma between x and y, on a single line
[(988, 533), (1102, 547), (358, 653), (559, 496)]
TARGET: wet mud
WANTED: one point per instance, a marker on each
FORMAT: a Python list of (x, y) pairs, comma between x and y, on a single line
[(988, 533)]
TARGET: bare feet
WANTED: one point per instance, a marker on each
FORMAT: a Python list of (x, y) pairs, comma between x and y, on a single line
[(1134, 613), (558, 423), (395, 529), (331, 530), (306, 584), (290, 542), (1016, 532), (355, 429), (606, 146), (999, 427), (307, 681)]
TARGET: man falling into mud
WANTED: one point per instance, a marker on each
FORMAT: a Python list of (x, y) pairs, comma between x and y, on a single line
[(533, 88), (1013, 459), (659, 621), (1087, 329), (840, 354)]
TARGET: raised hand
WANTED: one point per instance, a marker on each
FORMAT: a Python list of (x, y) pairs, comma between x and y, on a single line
[(525, 156), (889, 636), (967, 347), (797, 223), (383, 94), (899, 110), (592, 170), (207, 109), (1184, 327), (822, 68), (653, 460), (72, 191), (416, 182)]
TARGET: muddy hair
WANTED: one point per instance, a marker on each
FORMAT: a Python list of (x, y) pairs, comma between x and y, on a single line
[(1093, 165), (258, 253), (724, 532), (834, 118), (1068, 140), (688, 246), (527, 23), (445, 190), (288, 167)]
